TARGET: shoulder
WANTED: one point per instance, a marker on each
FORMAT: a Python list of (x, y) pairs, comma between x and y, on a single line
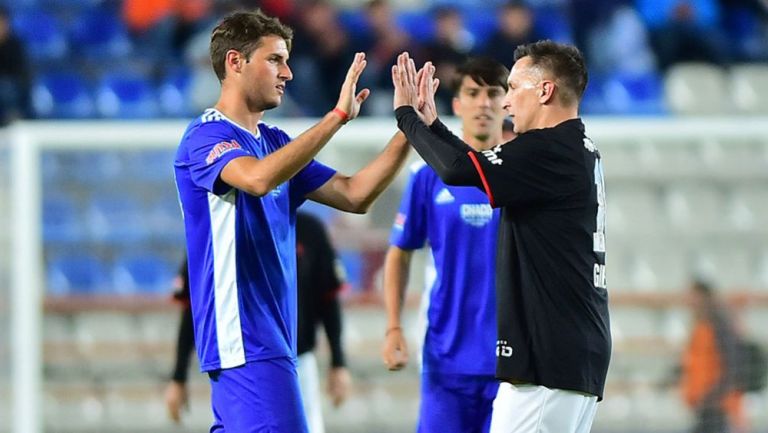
[(273, 133), (209, 124)]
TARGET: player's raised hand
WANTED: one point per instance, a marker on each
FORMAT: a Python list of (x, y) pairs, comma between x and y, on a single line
[(405, 81), (395, 350), (349, 100), (427, 84)]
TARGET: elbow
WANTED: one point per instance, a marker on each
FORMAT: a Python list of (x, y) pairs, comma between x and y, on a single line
[(259, 187), (451, 177), (360, 207)]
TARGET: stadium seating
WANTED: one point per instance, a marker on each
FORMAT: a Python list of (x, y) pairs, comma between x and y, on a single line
[(42, 33), (76, 274), (696, 88), (63, 95), (62, 221), (749, 87), (127, 96), (142, 273), (99, 33)]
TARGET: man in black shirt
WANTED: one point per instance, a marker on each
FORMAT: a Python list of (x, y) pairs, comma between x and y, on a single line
[(553, 327), (319, 279)]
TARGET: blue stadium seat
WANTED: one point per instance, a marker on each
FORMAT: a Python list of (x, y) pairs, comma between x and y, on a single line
[(127, 96), (62, 221), (174, 91), (19, 5), (42, 34), (117, 219), (482, 23), (552, 22), (62, 95), (353, 265), (76, 274), (143, 273), (98, 33), (593, 101), (634, 94), (419, 24)]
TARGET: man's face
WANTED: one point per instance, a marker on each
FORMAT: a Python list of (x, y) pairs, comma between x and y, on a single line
[(265, 74), (480, 108), (523, 99)]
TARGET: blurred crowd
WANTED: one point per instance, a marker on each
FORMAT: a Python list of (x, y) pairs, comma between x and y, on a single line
[(149, 58)]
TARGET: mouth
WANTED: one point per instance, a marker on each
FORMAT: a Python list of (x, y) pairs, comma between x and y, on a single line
[(280, 88), (483, 117)]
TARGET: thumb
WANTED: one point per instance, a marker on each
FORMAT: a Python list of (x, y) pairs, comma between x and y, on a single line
[(362, 96)]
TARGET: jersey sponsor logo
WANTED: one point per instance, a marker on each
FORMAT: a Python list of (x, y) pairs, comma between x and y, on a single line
[(444, 196), (221, 149), (400, 220), (476, 215), (503, 349), (493, 155)]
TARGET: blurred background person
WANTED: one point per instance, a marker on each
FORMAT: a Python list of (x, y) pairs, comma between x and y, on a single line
[(320, 278), (15, 74), (711, 365), (515, 27)]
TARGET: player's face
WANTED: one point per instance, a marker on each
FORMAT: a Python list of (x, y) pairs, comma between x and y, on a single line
[(266, 73), (523, 99), (480, 108)]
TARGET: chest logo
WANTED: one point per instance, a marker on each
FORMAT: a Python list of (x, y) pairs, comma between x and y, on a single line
[(444, 196), (476, 215)]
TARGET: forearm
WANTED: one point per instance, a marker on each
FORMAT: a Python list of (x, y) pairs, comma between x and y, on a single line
[(439, 149), (332, 324), (367, 184), (396, 271), (260, 176), (184, 346)]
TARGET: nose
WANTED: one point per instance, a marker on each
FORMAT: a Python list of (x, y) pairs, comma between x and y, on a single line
[(484, 100), (285, 72)]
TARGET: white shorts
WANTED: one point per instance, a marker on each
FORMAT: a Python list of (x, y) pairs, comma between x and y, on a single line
[(309, 383), (538, 409)]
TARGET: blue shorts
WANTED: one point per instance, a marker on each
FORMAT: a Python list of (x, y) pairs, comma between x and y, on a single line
[(456, 403), (258, 397)]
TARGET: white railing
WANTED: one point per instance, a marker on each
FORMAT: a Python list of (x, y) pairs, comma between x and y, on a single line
[(348, 151)]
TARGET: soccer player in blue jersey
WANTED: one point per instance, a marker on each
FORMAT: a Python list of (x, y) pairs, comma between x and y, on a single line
[(240, 182), (457, 381)]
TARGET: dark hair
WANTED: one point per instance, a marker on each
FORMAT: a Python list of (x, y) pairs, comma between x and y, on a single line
[(483, 70), (564, 62), (242, 31)]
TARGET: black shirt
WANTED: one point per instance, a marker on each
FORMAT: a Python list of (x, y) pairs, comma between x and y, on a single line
[(553, 324)]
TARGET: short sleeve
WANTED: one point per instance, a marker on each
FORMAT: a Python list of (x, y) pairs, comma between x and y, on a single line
[(210, 147), (525, 171), (310, 178), (409, 231)]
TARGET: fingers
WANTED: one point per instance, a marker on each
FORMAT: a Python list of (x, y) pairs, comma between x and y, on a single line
[(362, 96), (357, 67)]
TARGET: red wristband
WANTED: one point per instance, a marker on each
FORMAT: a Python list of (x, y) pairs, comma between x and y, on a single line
[(341, 113)]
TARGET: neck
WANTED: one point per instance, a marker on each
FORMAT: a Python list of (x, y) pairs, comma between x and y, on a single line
[(554, 115), (480, 145), (235, 107)]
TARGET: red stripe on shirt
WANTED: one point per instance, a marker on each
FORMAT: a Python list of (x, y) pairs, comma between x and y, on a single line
[(479, 169)]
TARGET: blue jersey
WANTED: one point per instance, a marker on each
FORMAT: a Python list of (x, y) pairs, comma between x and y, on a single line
[(241, 248), (461, 228)]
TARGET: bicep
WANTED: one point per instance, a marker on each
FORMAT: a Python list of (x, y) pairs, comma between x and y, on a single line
[(239, 173)]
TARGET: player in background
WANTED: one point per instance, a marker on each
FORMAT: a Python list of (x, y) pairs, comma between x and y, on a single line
[(240, 182), (554, 340), (457, 379)]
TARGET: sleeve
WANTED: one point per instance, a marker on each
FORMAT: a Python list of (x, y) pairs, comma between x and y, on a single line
[(184, 345), (523, 172), (442, 150), (310, 178), (210, 147), (409, 231)]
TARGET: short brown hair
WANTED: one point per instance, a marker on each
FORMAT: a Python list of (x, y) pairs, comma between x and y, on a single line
[(483, 70), (564, 62), (242, 31)]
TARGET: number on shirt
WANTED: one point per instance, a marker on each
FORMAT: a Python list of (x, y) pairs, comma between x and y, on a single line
[(598, 237)]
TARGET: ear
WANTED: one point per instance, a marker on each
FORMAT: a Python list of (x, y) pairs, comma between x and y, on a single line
[(547, 91), (234, 60), (456, 106)]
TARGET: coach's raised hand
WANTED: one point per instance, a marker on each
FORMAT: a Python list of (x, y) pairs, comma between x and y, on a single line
[(427, 84), (350, 101), (404, 78)]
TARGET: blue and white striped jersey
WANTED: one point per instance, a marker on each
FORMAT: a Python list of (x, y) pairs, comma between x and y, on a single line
[(241, 248)]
